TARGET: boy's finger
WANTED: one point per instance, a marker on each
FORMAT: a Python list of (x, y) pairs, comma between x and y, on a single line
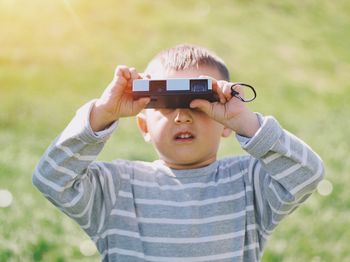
[(118, 83), (202, 105), (226, 90), (122, 71), (134, 74), (219, 91), (141, 104)]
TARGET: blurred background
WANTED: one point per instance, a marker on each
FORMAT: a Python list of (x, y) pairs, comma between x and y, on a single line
[(56, 55)]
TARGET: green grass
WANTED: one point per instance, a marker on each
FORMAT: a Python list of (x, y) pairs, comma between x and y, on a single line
[(56, 55)]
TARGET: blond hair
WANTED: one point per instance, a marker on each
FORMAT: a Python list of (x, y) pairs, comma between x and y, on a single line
[(185, 56)]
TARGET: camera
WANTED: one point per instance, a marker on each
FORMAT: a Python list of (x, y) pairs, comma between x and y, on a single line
[(173, 93)]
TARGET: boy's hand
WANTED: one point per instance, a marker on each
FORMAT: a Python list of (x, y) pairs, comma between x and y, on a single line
[(117, 101), (229, 111)]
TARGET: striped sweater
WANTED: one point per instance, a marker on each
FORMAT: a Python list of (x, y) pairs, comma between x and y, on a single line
[(140, 211)]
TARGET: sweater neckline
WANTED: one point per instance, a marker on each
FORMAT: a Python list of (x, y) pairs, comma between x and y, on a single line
[(187, 173)]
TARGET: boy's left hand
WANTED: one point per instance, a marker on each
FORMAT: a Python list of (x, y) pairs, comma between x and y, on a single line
[(229, 111)]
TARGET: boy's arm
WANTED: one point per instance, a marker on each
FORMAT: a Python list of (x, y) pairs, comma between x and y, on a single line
[(67, 175), (283, 172)]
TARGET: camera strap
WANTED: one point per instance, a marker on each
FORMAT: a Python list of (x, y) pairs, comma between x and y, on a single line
[(237, 95)]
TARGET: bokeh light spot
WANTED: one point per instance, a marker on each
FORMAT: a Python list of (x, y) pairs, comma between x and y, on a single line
[(88, 248), (325, 188), (5, 198)]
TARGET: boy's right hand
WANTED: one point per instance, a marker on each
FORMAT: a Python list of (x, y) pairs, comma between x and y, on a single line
[(117, 101)]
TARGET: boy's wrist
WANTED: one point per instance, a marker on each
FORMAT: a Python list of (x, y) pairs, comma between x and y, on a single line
[(246, 124), (263, 141), (99, 119)]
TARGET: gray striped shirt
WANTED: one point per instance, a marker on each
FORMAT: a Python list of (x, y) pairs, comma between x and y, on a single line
[(140, 211)]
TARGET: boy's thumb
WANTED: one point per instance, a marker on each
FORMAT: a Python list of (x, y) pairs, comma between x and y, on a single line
[(141, 103), (202, 105)]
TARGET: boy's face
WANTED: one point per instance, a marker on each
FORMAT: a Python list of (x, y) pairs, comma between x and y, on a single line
[(183, 138)]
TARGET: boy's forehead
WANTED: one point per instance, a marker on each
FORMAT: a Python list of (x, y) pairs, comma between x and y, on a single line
[(157, 71)]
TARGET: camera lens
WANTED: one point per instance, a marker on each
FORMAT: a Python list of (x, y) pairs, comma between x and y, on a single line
[(200, 85)]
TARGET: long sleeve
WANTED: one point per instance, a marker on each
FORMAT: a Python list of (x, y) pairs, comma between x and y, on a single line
[(282, 170), (69, 178)]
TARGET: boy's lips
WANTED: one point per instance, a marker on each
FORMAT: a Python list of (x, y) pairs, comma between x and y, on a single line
[(184, 136)]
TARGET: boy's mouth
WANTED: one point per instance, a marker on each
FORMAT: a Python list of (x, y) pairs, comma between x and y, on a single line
[(184, 136)]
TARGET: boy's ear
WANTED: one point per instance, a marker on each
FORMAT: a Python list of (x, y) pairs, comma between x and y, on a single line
[(142, 124), (226, 132)]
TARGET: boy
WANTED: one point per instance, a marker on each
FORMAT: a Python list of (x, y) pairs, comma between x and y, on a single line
[(186, 206)]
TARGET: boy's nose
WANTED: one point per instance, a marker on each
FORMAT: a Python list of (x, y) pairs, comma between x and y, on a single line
[(183, 115)]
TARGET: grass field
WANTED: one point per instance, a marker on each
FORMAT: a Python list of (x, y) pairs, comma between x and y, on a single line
[(56, 55)]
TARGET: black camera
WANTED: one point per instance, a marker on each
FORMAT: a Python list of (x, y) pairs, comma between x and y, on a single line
[(173, 93)]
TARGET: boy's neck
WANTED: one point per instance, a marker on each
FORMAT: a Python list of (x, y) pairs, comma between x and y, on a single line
[(184, 166)]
